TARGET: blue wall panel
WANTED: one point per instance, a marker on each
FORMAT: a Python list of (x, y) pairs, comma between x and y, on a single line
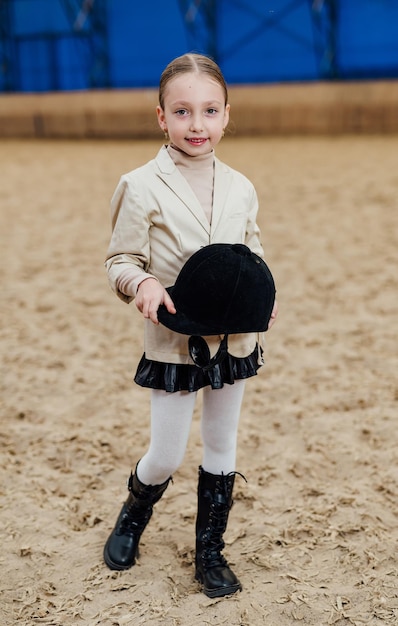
[(127, 44), (368, 38), (266, 41), (52, 64), (38, 16), (143, 37)]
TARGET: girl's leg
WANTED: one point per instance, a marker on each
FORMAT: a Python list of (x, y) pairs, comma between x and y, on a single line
[(171, 421), (171, 417), (220, 421)]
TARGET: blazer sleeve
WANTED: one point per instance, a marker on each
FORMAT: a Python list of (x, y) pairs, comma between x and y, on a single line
[(129, 246), (253, 235)]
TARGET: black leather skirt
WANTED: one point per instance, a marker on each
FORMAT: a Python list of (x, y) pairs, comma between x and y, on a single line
[(172, 377)]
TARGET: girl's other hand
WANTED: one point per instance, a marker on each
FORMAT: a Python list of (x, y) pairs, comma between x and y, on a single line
[(273, 315), (150, 295)]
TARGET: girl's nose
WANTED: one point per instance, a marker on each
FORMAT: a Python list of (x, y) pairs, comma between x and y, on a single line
[(196, 124)]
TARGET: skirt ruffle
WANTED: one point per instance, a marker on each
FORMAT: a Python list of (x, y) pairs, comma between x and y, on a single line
[(172, 377)]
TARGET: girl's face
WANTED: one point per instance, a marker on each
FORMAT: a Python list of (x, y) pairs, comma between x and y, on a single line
[(194, 114)]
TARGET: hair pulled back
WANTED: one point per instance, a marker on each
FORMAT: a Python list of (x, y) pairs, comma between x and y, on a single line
[(188, 63)]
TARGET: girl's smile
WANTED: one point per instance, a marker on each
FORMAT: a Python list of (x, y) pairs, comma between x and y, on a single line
[(195, 141)]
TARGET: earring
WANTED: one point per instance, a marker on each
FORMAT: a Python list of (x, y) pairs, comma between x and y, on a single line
[(223, 132), (166, 135)]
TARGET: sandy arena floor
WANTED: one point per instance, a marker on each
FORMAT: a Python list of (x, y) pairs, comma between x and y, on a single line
[(313, 535)]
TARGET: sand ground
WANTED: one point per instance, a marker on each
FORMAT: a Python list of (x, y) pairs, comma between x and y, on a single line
[(313, 535)]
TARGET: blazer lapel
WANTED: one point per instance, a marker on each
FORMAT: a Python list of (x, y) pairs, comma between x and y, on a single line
[(222, 183), (173, 178)]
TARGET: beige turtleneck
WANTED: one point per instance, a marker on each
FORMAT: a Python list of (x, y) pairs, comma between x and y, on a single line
[(199, 173)]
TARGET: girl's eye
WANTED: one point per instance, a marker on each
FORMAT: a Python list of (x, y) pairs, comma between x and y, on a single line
[(181, 112), (211, 111)]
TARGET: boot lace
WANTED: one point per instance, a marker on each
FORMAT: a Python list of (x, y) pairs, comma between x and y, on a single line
[(136, 515), (219, 510), (135, 519)]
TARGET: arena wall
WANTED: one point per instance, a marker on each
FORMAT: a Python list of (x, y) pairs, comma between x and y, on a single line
[(272, 109)]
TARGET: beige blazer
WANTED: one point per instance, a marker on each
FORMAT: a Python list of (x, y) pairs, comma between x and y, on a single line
[(158, 223)]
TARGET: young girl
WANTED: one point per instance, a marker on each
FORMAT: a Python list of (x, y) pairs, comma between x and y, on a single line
[(162, 213)]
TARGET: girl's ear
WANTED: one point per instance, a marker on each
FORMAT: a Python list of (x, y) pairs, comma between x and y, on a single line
[(161, 118), (226, 115)]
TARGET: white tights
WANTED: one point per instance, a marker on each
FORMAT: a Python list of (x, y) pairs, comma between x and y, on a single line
[(171, 418)]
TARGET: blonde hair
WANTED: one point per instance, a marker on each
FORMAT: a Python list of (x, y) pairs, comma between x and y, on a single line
[(188, 63)]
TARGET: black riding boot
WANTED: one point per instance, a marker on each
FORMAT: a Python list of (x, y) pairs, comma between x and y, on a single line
[(214, 504), (121, 548)]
